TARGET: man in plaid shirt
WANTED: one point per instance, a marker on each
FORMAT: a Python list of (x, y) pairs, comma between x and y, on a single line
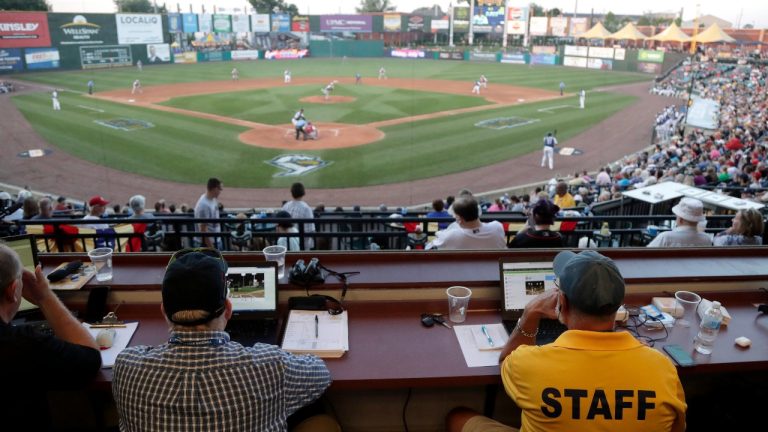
[(202, 381)]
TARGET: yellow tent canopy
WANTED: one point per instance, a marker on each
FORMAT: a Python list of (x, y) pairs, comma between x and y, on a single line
[(630, 32), (713, 34), (671, 34), (596, 32)]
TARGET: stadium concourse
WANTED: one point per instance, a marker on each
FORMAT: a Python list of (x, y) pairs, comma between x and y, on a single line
[(58, 173)]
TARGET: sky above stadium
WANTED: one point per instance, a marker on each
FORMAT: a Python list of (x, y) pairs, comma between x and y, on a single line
[(736, 11)]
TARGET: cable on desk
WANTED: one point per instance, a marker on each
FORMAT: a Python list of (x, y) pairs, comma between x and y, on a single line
[(633, 325), (405, 407)]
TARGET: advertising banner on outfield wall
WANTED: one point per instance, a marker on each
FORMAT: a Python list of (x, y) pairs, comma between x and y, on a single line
[(481, 56), (651, 68), (24, 29), (174, 23), (450, 55), (42, 58), (439, 25), (517, 20), (286, 54), (189, 22), (579, 51), (300, 23), (461, 19), (82, 29), (619, 53), (513, 58), (185, 57), (488, 19), (580, 62), (543, 59), (415, 23), (544, 49), (222, 23), (158, 53), (346, 23), (650, 56), (601, 52), (139, 28), (205, 21), (245, 55), (10, 60), (391, 23), (241, 24), (281, 22), (407, 53), (260, 23), (597, 63)]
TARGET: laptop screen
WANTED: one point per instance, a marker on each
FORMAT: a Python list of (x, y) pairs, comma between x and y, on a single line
[(25, 247), (521, 281), (253, 288)]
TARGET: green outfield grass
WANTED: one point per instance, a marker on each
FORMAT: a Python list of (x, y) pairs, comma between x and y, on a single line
[(184, 149), (277, 105)]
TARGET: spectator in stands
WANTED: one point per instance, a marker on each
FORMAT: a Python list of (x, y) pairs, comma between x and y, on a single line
[(689, 212), (438, 211), (497, 206), (160, 207), (232, 387), (33, 363), (286, 226), (137, 204), (516, 205), (591, 366), (298, 209), (207, 207), (603, 177), (746, 230), (61, 205), (563, 198), (97, 206), (46, 211), (468, 232), (30, 207), (539, 235)]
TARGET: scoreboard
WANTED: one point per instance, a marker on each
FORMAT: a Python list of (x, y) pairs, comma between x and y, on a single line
[(94, 57)]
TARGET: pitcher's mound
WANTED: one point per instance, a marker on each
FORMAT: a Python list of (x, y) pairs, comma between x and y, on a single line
[(330, 100)]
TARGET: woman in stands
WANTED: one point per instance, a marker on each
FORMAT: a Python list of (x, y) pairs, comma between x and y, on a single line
[(539, 235), (746, 230)]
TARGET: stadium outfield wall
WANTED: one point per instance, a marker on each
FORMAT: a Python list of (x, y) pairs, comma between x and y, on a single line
[(37, 41)]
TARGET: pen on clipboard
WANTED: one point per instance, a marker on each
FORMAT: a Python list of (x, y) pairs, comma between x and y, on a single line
[(317, 326), (488, 336)]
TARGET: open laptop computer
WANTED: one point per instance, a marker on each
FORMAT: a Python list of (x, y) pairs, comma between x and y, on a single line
[(521, 280), (253, 293)]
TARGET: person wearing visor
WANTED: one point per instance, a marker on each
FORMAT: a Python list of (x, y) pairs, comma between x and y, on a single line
[(200, 379), (592, 377)]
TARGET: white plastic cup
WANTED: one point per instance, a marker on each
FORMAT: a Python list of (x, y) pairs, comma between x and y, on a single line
[(689, 301), (276, 253), (102, 260), (458, 302)]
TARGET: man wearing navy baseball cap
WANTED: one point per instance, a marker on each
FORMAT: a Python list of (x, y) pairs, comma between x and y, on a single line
[(200, 379), (592, 377)]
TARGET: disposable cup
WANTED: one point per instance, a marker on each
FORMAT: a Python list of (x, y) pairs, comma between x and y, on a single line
[(102, 260), (689, 301), (458, 302), (276, 253)]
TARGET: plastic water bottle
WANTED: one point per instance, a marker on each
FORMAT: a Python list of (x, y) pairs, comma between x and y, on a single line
[(710, 327)]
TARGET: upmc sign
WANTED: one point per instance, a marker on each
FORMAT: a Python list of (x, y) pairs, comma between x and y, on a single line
[(24, 29)]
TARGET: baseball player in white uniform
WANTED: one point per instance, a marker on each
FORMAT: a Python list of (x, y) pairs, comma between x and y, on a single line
[(139, 65), (483, 81), (136, 87), (328, 89), (235, 74), (476, 88), (287, 76), (55, 100), (582, 98), (549, 150), (382, 73)]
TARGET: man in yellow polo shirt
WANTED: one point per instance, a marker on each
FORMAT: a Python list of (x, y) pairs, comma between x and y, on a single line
[(563, 198), (592, 377)]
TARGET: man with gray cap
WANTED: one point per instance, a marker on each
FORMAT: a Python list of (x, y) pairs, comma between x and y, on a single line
[(592, 377), (200, 380), (689, 212)]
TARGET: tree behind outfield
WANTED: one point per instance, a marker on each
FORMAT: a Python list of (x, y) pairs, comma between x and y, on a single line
[(139, 6), (375, 6), (24, 5), (271, 6)]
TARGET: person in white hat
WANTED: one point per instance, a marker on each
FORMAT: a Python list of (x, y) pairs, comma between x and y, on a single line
[(689, 212)]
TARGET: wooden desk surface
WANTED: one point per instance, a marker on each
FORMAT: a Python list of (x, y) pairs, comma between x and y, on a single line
[(389, 348)]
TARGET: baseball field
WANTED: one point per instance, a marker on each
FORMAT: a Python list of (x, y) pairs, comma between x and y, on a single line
[(193, 121)]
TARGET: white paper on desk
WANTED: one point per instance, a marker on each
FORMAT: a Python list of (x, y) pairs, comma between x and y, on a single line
[(123, 336), (473, 355), (331, 339)]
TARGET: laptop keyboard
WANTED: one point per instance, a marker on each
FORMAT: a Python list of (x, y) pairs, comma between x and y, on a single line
[(549, 330), (249, 332), (42, 327)]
